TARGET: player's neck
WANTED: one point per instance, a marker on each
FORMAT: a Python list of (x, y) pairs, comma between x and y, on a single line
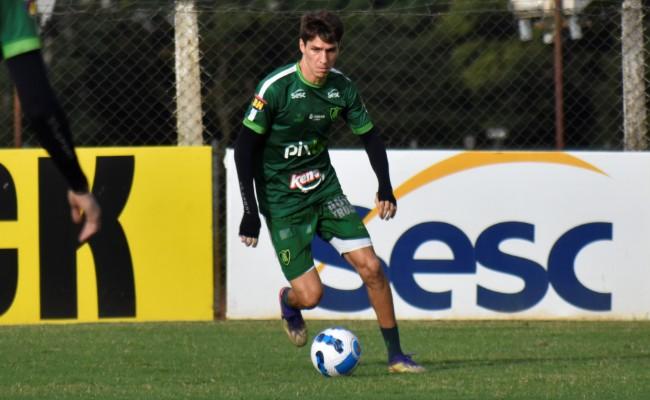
[(309, 76)]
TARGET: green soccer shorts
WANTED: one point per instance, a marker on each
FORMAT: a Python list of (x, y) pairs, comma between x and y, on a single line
[(18, 28), (333, 219)]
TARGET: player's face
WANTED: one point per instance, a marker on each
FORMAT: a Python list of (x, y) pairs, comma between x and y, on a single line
[(318, 57)]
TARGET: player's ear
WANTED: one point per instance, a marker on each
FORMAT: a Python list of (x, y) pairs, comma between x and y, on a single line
[(301, 45)]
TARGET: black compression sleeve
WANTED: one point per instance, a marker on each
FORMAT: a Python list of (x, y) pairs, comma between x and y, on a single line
[(45, 115), (247, 149), (379, 161)]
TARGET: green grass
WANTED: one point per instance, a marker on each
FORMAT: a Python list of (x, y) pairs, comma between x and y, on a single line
[(254, 360)]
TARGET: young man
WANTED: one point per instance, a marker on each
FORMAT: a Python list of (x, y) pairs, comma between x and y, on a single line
[(20, 47), (283, 148)]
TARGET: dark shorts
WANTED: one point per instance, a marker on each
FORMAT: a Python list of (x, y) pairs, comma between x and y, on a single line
[(18, 28), (333, 219)]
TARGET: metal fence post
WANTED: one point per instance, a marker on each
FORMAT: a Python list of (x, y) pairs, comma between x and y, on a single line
[(189, 114), (634, 88)]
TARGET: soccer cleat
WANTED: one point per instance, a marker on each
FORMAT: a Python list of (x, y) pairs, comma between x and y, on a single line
[(404, 364), (293, 323)]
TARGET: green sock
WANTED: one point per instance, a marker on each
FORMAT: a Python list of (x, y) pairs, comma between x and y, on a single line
[(391, 339)]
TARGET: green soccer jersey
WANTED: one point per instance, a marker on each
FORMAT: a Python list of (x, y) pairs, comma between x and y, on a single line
[(18, 27), (296, 116)]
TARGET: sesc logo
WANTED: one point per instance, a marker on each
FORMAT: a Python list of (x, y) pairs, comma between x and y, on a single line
[(558, 271)]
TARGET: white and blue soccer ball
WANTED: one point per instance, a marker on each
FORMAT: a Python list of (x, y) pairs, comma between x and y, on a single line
[(335, 351)]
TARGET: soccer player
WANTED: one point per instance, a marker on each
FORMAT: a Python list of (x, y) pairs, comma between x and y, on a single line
[(282, 151), (20, 47)]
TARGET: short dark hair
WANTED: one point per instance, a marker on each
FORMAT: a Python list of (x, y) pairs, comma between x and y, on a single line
[(323, 24)]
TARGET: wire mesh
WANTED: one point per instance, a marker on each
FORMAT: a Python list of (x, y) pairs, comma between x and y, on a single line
[(436, 75)]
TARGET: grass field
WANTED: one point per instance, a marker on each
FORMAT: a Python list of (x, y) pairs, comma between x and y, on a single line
[(254, 360)]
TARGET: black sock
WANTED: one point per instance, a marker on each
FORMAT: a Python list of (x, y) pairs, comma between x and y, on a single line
[(391, 339), (285, 299)]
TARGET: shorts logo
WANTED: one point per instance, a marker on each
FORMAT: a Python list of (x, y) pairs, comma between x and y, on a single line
[(298, 94), (340, 207), (285, 256), (258, 103), (306, 181)]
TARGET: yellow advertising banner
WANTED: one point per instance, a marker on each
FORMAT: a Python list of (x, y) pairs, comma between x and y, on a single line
[(152, 259)]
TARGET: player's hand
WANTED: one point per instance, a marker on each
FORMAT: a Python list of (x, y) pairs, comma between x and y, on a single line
[(249, 229), (386, 205), (86, 210)]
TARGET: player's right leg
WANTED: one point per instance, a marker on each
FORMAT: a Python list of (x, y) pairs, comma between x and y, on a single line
[(291, 237), (305, 292)]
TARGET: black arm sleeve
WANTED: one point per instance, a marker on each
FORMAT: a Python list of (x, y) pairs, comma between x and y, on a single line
[(247, 147), (45, 115), (379, 161)]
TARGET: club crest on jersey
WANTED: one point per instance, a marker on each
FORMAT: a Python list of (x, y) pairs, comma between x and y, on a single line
[(258, 103), (306, 181), (334, 113), (285, 256)]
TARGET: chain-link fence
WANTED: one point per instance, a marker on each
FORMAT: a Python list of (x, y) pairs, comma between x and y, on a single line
[(433, 74)]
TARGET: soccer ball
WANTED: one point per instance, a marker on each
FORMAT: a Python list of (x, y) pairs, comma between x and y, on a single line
[(335, 351)]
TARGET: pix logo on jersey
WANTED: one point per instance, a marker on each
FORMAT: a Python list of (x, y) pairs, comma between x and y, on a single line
[(258, 103)]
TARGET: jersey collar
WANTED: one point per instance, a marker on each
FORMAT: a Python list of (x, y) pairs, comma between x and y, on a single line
[(305, 81)]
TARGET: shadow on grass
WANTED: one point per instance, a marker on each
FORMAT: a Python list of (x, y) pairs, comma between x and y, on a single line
[(453, 364), (438, 365)]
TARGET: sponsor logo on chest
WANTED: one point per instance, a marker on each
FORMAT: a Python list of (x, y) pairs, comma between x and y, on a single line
[(333, 94), (296, 150), (298, 94), (306, 181)]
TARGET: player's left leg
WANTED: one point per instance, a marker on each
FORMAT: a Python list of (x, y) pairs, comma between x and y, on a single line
[(367, 264), (343, 228)]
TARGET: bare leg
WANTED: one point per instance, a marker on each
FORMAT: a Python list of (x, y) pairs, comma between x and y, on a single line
[(306, 290), (367, 264)]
